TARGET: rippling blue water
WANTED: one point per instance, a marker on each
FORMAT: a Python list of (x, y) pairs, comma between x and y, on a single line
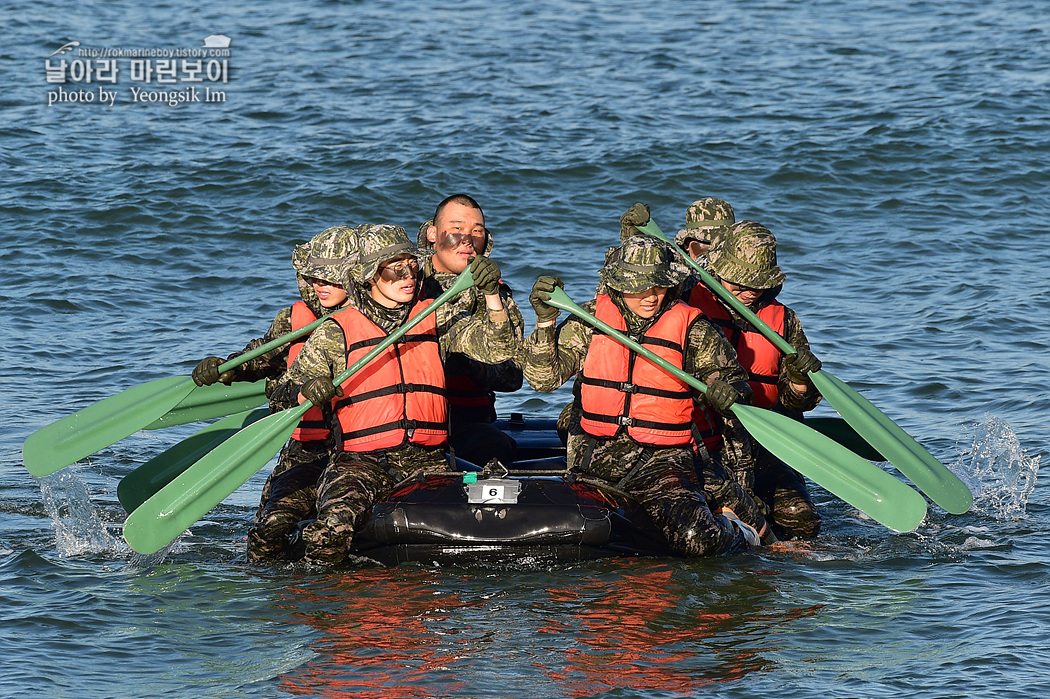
[(897, 151)]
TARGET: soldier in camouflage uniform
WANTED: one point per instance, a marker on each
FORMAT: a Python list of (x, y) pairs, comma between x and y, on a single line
[(291, 489), (706, 222), (456, 233), (734, 491), (641, 279), (385, 286), (745, 262)]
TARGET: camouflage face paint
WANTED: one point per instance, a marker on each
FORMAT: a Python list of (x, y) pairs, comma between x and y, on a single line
[(451, 241)]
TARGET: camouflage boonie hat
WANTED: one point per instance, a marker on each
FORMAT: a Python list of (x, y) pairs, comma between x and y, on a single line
[(706, 221), (377, 243), (327, 255), (641, 263), (747, 256)]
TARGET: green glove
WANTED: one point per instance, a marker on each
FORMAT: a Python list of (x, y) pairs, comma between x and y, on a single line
[(320, 390), (637, 215), (798, 365), (721, 396), (541, 293), (207, 372), (486, 274)]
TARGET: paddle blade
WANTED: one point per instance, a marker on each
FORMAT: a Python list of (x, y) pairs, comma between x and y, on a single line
[(908, 456), (840, 431), (217, 400), (106, 422), (193, 493), (835, 468), (146, 480)]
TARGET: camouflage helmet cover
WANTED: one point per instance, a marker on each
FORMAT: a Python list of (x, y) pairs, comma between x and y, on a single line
[(378, 243), (747, 256), (640, 263), (706, 221), (327, 255)]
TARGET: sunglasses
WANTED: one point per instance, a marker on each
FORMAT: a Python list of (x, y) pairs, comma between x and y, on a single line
[(322, 282), (401, 270)]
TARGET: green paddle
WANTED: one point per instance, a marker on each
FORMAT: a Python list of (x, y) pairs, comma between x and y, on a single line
[(142, 483), (835, 468), (911, 458), (192, 494), (217, 400), (108, 421)]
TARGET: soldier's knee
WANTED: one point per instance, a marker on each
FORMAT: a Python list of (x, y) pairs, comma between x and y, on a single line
[(263, 549), (703, 540), (797, 520), (326, 543), (695, 545)]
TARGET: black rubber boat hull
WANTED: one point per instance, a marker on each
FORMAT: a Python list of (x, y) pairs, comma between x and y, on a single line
[(552, 519), (532, 514)]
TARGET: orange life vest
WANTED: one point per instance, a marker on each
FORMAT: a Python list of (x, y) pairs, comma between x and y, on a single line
[(399, 397), (312, 428), (619, 389), (759, 357)]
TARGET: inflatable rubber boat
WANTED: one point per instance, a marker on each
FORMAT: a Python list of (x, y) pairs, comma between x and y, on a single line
[(531, 511)]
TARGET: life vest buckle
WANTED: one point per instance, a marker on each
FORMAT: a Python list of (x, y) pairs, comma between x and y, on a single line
[(625, 421), (628, 387)]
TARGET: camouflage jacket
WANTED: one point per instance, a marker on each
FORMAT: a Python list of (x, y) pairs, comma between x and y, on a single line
[(553, 355)]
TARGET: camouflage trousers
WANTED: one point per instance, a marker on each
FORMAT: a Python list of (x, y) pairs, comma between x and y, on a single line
[(793, 515), (723, 491), (288, 497), (664, 482), (349, 487)]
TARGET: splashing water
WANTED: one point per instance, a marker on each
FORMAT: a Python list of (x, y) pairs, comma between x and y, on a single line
[(1000, 474), (78, 528)]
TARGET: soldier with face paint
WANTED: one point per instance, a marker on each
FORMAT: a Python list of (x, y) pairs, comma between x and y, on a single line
[(455, 234), (390, 418), (631, 424), (291, 489), (745, 263)]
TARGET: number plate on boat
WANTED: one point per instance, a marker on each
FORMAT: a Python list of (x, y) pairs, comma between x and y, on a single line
[(495, 491)]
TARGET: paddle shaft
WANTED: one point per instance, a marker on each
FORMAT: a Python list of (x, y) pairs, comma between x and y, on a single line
[(275, 343), (559, 299), (773, 336), (207, 402)]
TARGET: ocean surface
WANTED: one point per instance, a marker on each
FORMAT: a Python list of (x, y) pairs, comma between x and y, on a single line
[(897, 150)]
